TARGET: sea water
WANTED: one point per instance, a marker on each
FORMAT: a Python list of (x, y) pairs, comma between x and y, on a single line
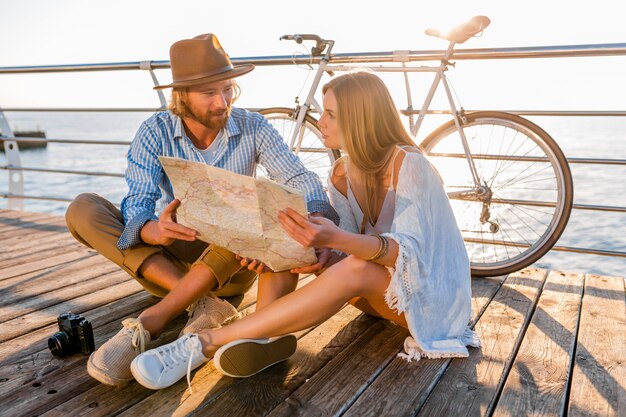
[(578, 137)]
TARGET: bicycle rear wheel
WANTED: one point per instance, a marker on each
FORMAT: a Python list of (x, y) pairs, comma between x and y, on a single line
[(312, 152), (528, 182)]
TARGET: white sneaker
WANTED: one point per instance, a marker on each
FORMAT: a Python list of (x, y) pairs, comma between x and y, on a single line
[(161, 367)]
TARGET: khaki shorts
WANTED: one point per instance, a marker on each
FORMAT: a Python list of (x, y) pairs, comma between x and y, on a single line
[(98, 224)]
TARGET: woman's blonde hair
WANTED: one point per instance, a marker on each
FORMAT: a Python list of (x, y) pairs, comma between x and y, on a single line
[(370, 127), (178, 104)]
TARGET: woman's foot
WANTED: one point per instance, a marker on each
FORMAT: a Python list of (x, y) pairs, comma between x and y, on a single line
[(245, 357), (110, 364), (161, 367)]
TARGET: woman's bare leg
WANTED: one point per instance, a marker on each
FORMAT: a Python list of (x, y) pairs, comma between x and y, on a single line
[(310, 305)]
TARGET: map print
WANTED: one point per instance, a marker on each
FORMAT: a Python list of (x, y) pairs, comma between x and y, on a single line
[(238, 212)]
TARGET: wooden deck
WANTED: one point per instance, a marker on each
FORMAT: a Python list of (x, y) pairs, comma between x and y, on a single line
[(553, 344)]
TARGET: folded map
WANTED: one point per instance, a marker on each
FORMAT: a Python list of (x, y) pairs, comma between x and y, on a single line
[(238, 212)]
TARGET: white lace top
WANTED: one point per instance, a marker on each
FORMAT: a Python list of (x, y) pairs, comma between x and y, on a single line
[(430, 282)]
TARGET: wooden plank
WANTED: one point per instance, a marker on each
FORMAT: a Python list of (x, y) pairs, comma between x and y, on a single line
[(412, 383), (537, 383), (315, 349), (103, 400), (41, 250), (16, 239), (24, 247), (16, 217), (45, 263), (15, 289), (33, 225), (331, 390), (66, 293), (469, 386), (36, 368), (33, 343), (24, 324), (599, 378)]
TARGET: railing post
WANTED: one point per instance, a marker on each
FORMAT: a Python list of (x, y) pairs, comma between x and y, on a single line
[(147, 66), (16, 178)]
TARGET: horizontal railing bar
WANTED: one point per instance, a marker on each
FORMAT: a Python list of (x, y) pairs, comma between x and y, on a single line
[(35, 197), (598, 161), (63, 171), (84, 109), (559, 113), (587, 251), (79, 141), (601, 113), (556, 51), (592, 207)]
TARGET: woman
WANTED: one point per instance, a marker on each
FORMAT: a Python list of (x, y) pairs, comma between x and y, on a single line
[(399, 253)]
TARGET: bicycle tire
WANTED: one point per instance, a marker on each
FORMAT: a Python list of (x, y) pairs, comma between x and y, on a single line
[(313, 154), (534, 171)]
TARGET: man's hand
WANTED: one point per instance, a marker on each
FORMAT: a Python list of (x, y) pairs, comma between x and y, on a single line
[(253, 264), (324, 256), (166, 230)]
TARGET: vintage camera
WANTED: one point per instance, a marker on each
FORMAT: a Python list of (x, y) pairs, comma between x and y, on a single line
[(75, 336)]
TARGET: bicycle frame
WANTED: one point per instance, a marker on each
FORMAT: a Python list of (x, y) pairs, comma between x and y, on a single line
[(311, 105)]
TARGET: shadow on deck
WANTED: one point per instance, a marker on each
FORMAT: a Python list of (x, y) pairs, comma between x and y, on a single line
[(553, 344)]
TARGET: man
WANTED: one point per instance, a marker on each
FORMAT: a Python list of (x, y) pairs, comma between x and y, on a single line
[(162, 255)]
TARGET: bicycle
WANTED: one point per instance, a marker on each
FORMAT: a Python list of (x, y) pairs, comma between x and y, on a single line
[(508, 181)]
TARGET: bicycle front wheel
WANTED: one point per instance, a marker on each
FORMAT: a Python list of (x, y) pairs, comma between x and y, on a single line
[(527, 189), (308, 146)]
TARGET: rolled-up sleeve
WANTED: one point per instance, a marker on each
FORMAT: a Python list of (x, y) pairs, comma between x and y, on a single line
[(143, 176)]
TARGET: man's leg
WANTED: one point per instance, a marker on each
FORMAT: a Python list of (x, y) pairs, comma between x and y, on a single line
[(273, 285), (216, 270), (98, 224)]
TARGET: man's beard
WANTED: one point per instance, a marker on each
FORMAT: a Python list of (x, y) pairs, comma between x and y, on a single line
[(206, 118)]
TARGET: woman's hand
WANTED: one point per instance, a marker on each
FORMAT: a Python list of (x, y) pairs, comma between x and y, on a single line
[(315, 231), (253, 264)]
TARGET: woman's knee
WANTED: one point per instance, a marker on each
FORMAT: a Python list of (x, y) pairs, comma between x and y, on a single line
[(362, 276)]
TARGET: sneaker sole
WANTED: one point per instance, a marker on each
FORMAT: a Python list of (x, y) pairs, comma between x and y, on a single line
[(97, 373), (245, 357)]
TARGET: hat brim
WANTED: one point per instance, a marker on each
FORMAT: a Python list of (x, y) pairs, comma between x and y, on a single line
[(235, 72)]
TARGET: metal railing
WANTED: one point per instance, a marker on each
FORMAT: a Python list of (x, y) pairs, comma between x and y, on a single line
[(16, 194)]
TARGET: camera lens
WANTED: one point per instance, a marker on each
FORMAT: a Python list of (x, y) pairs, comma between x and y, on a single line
[(59, 344)]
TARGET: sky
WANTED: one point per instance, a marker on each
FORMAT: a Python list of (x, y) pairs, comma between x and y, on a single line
[(43, 32)]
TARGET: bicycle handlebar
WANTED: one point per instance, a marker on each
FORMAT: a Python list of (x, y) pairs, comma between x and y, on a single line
[(302, 37), (320, 44)]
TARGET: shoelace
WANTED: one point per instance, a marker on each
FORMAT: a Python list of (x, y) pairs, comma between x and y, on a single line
[(200, 303), (138, 338), (183, 349)]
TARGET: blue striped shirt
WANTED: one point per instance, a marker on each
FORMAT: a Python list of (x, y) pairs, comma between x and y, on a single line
[(247, 139)]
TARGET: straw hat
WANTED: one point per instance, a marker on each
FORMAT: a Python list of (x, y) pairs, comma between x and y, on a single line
[(201, 60)]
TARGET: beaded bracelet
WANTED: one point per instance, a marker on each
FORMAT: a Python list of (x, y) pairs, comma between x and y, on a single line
[(382, 248)]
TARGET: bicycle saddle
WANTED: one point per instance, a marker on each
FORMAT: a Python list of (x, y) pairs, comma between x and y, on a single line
[(462, 32)]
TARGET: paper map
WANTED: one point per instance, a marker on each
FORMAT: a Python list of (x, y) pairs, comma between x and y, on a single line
[(238, 212)]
